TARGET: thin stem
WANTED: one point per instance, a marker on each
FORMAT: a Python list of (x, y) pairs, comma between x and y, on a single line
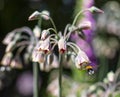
[(69, 33), (52, 29), (66, 28), (35, 80), (40, 22), (60, 75), (53, 24), (71, 46), (78, 16), (51, 21)]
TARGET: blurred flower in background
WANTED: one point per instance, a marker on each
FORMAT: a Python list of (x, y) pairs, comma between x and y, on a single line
[(107, 40), (24, 84), (110, 87)]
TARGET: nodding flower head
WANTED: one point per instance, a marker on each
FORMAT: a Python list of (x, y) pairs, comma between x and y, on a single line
[(62, 45), (45, 34), (45, 46), (81, 60)]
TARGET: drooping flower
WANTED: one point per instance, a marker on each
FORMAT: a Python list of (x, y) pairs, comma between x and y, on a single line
[(81, 60), (38, 56), (45, 46), (7, 59), (44, 34), (62, 45)]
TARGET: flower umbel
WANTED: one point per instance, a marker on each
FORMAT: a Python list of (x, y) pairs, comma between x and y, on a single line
[(39, 46)]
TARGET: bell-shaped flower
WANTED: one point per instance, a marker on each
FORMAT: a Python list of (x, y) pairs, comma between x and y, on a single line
[(85, 25), (45, 46), (7, 59), (16, 63), (38, 56), (45, 34), (62, 45), (81, 60)]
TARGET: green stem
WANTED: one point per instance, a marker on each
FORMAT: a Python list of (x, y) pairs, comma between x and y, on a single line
[(53, 24), (60, 75), (76, 17), (40, 22), (35, 79)]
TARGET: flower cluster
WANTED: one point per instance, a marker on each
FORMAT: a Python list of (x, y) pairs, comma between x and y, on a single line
[(39, 44)]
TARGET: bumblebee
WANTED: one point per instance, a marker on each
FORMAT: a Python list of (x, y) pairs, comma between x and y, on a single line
[(89, 69)]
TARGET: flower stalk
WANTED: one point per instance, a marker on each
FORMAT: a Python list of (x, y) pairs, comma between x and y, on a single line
[(35, 80), (60, 75)]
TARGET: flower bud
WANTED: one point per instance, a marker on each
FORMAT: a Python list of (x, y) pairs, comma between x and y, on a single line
[(45, 34), (34, 16), (62, 45), (85, 25), (45, 15), (81, 60), (110, 76), (37, 31), (94, 9)]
